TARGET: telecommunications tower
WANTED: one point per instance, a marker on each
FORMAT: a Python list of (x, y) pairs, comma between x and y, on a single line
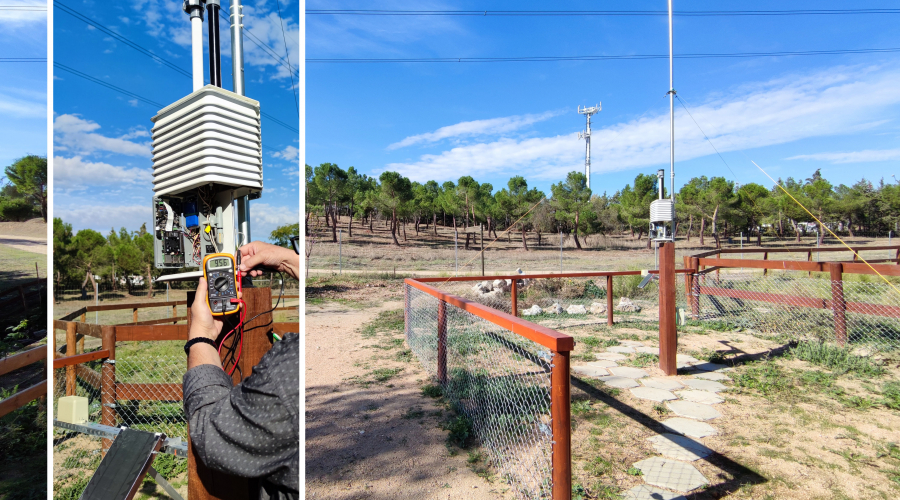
[(586, 135)]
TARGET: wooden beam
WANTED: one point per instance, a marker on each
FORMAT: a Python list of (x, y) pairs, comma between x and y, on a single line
[(134, 305), (22, 359), (161, 321), (149, 392), (151, 332), (22, 398), (71, 361)]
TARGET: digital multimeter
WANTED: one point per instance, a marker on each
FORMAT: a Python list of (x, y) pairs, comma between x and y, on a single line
[(221, 275)]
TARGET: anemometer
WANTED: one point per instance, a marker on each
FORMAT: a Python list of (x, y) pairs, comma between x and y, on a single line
[(222, 279)]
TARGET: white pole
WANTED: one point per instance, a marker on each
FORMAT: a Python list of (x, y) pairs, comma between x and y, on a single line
[(197, 52), (671, 108), (167, 291), (237, 46), (96, 303), (560, 251), (456, 249), (340, 254)]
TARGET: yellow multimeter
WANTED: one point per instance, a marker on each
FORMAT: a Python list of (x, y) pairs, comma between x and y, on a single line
[(221, 275)]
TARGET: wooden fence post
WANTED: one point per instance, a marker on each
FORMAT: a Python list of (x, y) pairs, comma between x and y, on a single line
[(442, 342), (134, 315), (765, 257), (561, 419), (174, 313), (838, 305), (108, 382), (513, 293), (694, 296), (84, 317), (667, 334), (70, 351), (609, 300), (24, 300)]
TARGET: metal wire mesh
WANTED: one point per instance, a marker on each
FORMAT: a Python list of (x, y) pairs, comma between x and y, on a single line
[(858, 311), (154, 401), (498, 381)]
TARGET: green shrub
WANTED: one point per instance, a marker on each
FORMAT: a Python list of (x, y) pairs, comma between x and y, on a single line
[(837, 359)]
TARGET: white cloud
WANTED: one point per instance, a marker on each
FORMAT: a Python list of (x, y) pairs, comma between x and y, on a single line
[(102, 218), (838, 101), (265, 218), (75, 134), (289, 153), (15, 18), (76, 173), (492, 126), (867, 155), (22, 103)]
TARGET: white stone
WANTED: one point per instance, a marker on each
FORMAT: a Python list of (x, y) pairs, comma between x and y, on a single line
[(658, 395), (689, 427), (712, 376), (693, 410), (705, 385), (631, 343), (481, 288), (626, 305), (604, 363), (671, 474), (647, 350), (684, 358), (501, 285), (705, 397), (610, 356), (627, 371), (645, 492), (555, 309), (620, 382), (590, 370), (532, 311), (679, 447), (664, 383), (710, 367), (620, 349), (597, 308), (520, 271), (576, 309)]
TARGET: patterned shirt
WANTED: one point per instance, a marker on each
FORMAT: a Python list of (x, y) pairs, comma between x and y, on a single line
[(252, 429)]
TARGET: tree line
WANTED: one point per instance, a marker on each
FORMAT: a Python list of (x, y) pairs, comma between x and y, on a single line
[(23, 194), (706, 207)]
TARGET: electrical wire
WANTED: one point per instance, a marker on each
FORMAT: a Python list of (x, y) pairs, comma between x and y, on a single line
[(280, 296), (556, 13), (23, 59), (287, 57)]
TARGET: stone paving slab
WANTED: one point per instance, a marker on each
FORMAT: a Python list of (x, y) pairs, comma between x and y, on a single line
[(621, 349), (689, 427), (590, 371), (671, 474), (610, 356), (705, 385), (658, 395), (679, 447), (695, 396), (712, 376), (620, 382), (664, 383), (627, 371), (711, 367), (631, 343), (684, 358), (647, 350), (645, 492), (604, 363), (693, 410)]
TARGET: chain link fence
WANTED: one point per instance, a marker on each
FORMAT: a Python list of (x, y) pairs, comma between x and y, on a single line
[(499, 382), (860, 311)]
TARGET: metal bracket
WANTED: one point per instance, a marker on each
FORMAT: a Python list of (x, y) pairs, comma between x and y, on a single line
[(165, 484), (172, 446)]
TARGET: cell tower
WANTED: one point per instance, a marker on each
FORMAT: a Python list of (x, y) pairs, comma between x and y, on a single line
[(586, 135)]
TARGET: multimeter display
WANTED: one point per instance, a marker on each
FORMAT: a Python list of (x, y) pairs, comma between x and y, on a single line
[(219, 270)]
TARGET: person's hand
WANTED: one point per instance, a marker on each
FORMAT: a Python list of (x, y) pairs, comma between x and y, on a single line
[(203, 324), (257, 254)]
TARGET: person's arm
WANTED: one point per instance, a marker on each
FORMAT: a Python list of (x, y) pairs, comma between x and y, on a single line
[(258, 254), (203, 325)]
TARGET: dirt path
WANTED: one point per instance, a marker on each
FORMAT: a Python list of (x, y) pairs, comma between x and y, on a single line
[(26, 243), (378, 440)]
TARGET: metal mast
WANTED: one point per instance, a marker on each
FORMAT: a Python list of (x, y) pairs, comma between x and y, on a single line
[(671, 110), (237, 74), (586, 135)]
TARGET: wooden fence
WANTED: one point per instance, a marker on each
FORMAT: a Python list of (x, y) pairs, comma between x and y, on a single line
[(21, 398)]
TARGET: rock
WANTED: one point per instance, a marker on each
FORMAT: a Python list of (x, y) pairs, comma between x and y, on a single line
[(576, 309), (555, 309), (626, 305), (520, 271), (533, 311), (494, 294), (501, 285), (598, 308), (483, 287)]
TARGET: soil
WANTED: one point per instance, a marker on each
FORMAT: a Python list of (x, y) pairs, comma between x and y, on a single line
[(34, 228), (368, 439)]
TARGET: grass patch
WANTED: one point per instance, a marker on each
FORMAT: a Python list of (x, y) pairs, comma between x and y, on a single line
[(634, 471), (645, 359), (385, 322), (598, 466), (837, 359), (432, 391), (460, 431), (765, 378), (890, 393)]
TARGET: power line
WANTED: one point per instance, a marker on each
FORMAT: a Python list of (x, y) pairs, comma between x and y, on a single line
[(603, 58), (23, 59), (561, 13), (262, 45), (23, 7), (287, 55)]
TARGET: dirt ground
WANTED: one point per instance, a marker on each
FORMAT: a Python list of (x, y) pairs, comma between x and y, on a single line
[(34, 229), (367, 437)]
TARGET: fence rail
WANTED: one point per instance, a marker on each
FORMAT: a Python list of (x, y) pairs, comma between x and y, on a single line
[(29, 394)]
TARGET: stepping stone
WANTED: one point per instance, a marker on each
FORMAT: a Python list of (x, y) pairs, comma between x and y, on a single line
[(631, 343), (679, 447), (684, 358), (693, 410), (711, 367), (705, 385), (627, 371), (620, 349), (610, 356), (590, 370), (658, 395), (712, 376), (688, 427), (705, 397), (647, 350), (671, 474), (644, 492), (664, 383), (620, 382)]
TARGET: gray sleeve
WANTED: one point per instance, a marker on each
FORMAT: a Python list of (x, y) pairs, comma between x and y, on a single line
[(248, 430)]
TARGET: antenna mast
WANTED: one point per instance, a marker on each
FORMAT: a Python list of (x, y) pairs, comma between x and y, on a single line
[(586, 135), (671, 110)]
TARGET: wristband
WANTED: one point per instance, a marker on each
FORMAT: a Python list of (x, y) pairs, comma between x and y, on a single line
[(202, 340)]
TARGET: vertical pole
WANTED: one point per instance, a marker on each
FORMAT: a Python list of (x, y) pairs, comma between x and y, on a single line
[(83, 317), (560, 251), (24, 300), (70, 351), (694, 295), (442, 343), (96, 303), (809, 259), (340, 251), (197, 47), (456, 249), (609, 300), (838, 305), (167, 296), (671, 106), (212, 19), (236, 19), (134, 315), (560, 419), (108, 382), (513, 293), (667, 334), (174, 313), (482, 252), (765, 257)]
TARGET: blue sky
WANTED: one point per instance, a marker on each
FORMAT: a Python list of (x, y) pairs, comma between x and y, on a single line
[(792, 115), (102, 166), (23, 89)]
